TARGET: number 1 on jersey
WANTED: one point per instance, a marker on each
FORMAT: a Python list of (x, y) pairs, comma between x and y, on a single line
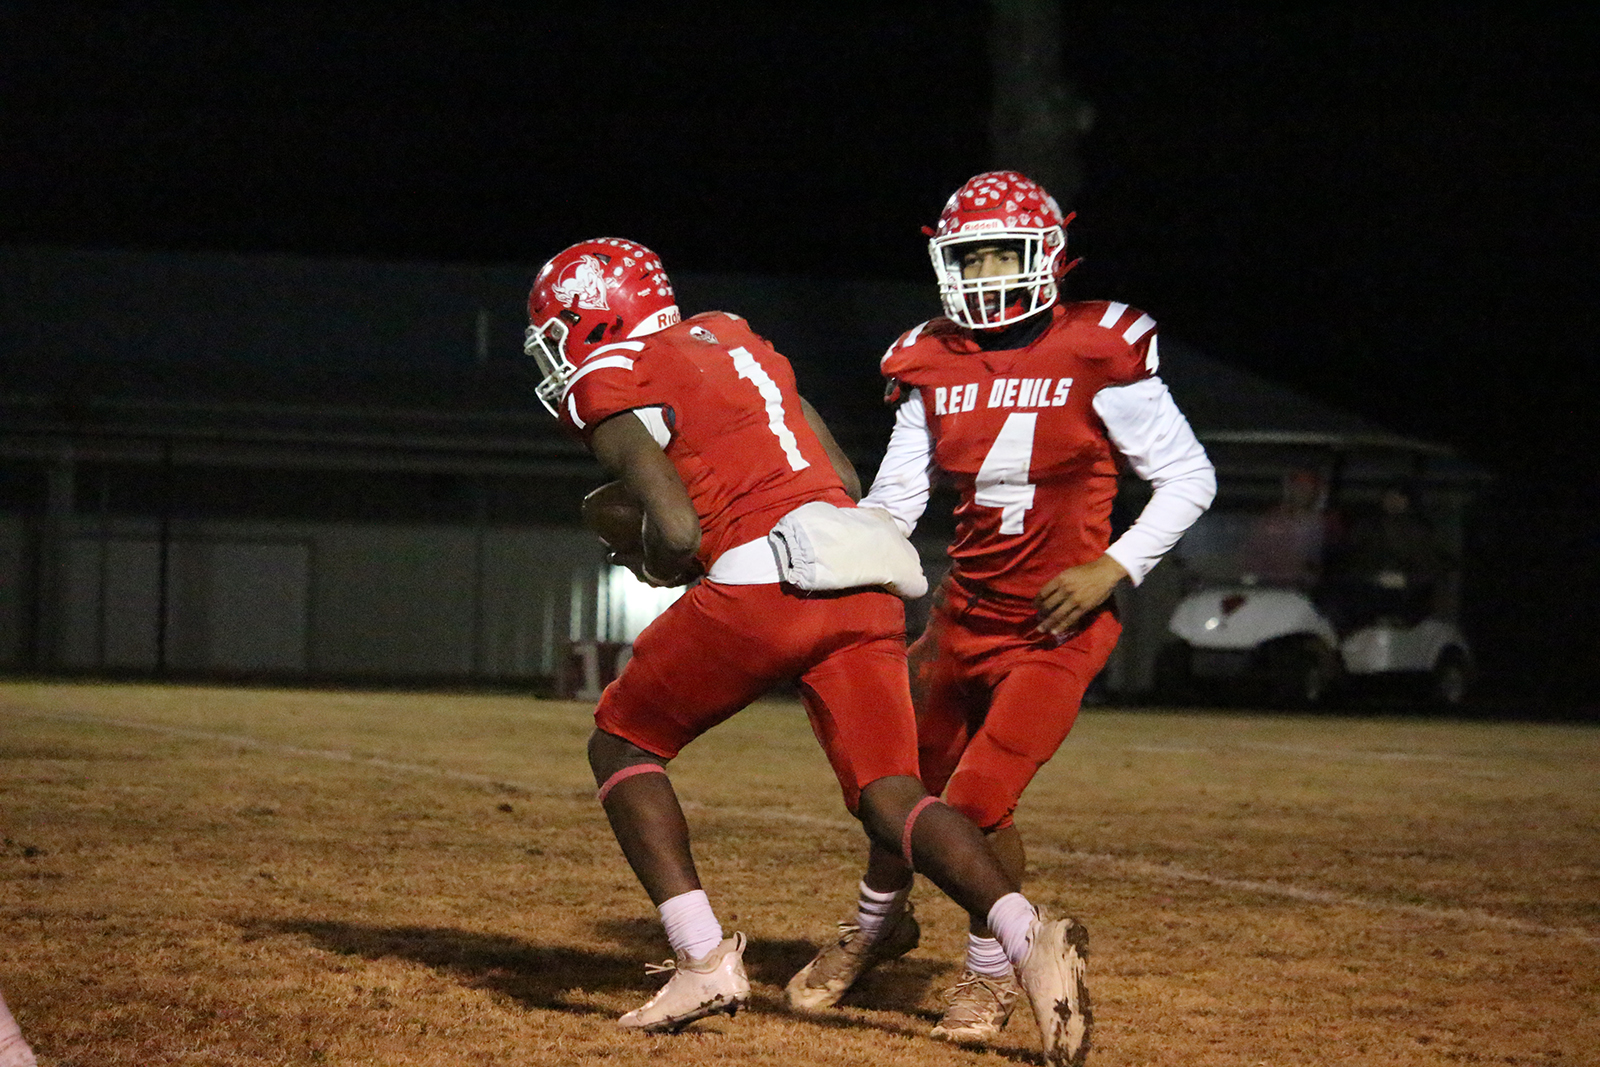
[(1002, 481), (746, 365)]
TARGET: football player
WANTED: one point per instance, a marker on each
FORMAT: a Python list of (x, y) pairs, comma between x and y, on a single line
[(701, 421), (1029, 404)]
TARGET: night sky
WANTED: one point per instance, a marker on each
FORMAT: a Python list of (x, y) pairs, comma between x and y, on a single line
[(1392, 208)]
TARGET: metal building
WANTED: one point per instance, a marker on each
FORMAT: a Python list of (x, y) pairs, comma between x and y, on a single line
[(262, 467)]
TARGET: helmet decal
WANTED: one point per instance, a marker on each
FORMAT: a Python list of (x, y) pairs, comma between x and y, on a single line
[(582, 284)]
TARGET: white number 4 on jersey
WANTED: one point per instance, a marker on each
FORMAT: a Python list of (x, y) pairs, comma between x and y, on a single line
[(1002, 481)]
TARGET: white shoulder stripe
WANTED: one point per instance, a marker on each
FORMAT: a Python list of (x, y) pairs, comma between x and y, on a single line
[(626, 346), (593, 364), (605, 362), (911, 339), (1141, 326), (1114, 312)]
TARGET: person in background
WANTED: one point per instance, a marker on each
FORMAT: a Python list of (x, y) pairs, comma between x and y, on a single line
[(701, 422), (1029, 404), (1390, 564), (1286, 544)]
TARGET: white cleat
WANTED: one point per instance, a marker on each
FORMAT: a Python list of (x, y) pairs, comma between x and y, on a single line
[(835, 968), (14, 1052), (713, 985), (1053, 976), (977, 1008)]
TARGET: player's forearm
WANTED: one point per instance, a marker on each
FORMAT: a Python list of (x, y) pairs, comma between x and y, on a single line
[(1181, 498), (902, 484), (672, 526), (841, 462), (1145, 425)]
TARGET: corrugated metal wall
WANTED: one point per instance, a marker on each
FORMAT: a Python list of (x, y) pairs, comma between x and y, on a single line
[(288, 600)]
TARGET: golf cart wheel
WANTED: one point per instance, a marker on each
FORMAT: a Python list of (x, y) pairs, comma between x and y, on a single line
[(1301, 672), (1451, 679)]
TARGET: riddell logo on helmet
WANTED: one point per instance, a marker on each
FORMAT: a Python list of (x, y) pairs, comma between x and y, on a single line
[(979, 225), (659, 321), (582, 284)]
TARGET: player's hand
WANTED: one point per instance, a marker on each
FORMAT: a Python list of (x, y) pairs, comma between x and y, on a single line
[(1067, 597), (684, 575), (635, 562), (662, 564)]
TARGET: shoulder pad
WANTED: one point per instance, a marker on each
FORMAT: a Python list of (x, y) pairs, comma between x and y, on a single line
[(1129, 323), (1125, 337), (904, 353)]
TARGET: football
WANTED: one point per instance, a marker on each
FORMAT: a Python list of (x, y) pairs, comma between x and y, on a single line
[(616, 515)]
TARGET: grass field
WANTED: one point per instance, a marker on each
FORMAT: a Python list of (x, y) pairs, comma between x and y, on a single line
[(217, 876)]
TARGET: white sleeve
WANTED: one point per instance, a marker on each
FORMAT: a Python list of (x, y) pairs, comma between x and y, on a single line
[(1145, 425), (902, 483)]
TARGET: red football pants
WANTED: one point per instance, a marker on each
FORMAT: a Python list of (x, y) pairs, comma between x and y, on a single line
[(719, 647), (994, 701)]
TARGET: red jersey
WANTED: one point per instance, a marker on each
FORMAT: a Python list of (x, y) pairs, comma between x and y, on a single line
[(735, 429), (1017, 432)]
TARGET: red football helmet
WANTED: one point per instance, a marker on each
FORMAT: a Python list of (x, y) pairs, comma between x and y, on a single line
[(1003, 208), (588, 296)]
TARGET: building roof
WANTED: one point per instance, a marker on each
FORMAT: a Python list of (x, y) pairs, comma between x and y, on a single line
[(376, 354)]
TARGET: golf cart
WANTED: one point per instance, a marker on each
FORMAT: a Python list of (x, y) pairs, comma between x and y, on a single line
[(1339, 587)]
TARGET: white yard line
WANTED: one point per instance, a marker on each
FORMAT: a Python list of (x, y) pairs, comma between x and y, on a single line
[(1135, 868), (1381, 755), (328, 754), (1147, 870), (1172, 872)]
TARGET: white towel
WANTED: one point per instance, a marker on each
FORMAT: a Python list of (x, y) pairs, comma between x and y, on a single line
[(821, 547)]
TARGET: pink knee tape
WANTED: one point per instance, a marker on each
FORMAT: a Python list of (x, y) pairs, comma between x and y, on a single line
[(628, 772), (911, 820)]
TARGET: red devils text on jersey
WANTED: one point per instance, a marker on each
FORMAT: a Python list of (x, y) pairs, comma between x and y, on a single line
[(731, 418), (1017, 432)]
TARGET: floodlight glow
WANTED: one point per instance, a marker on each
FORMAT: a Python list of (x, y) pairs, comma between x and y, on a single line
[(630, 604)]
